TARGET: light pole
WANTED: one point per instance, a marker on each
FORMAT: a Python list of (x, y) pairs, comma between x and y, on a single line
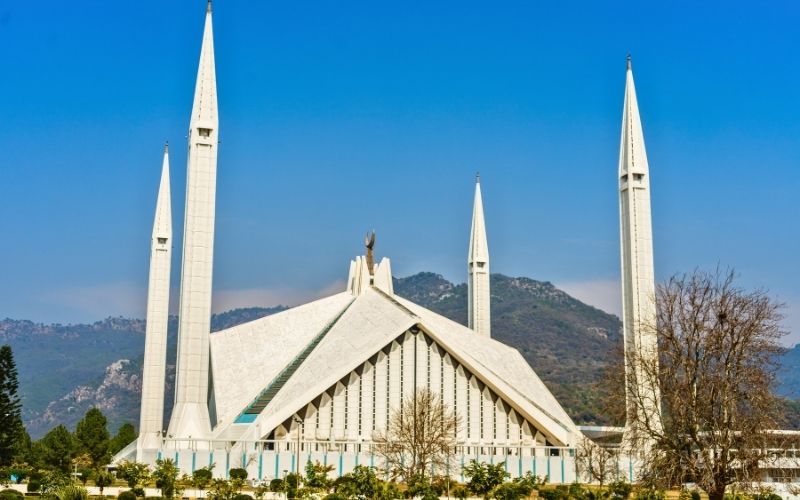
[(299, 423)]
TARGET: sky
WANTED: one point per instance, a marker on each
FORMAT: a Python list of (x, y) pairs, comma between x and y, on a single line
[(341, 117)]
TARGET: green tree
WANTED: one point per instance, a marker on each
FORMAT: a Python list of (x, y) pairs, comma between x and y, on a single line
[(11, 428), (92, 436), (222, 489), (483, 477), (56, 449), (135, 474), (317, 475), (238, 476), (53, 480), (83, 465), (362, 483), (202, 477), (24, 449), (166, 476), (124, 436), (102, 478)]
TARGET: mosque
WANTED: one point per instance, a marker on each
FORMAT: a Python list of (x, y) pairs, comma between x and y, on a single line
[(318, 381)]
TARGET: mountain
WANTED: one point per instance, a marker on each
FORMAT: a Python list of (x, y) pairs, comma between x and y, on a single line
[(66, 369), (789, 373), (567, 342)]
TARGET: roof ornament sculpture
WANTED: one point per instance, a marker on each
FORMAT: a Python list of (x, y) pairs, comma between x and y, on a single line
[(369, 242)]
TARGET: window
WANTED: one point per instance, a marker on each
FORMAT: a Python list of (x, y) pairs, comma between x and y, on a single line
[(346, 403), (638, 177), (480, 429), (388, 387), (469, 412), (429, 369), (161, 241), (455, 389), (204, 132), (360, 399)]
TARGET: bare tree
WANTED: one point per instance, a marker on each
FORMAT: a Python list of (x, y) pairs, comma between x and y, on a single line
[(598, 464), (717, 358), (420, 437)]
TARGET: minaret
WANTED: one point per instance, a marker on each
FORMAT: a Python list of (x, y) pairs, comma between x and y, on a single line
[(638, 282), (151, 416), (190, 417), (478, 269)]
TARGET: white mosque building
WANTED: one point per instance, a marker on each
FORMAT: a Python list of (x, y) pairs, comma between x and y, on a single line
[(318, 381)]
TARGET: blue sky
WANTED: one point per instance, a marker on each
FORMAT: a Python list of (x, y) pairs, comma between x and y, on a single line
[(340, 117)]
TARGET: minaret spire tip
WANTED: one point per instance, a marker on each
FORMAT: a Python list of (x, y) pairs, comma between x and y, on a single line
[(166, 147), (477, 177), (628, 63), (208, 6)]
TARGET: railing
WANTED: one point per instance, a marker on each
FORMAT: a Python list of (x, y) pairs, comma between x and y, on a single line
[(269, 459)]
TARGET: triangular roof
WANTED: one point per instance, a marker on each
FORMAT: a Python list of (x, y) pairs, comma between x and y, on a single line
[(355, 329)]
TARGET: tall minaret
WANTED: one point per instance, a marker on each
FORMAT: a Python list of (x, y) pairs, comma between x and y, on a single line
[(190, 416), (155, 340), (478, 269), (638, 282)]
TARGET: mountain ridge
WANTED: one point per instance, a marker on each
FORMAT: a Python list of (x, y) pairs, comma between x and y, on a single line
[(66, 369)]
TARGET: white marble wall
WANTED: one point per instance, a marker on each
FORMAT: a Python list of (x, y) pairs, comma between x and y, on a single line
[(356, 406)]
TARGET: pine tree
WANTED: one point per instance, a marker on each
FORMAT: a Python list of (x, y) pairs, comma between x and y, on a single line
[(93, 438), (11, 428), (124, 436), (57, 448)]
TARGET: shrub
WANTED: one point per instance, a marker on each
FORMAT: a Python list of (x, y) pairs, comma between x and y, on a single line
[(511, 491), (261, 490), (20, 472), (419, 486), (460, 492), (126, 495), (277, 485), (103, 478), (388, 491), (650, 494), (560, 492), (766, 496), (242, 496), (34, 485), (335, 496), (52, 481), (483, 477), (620, 490), (71, 492), (10, 494), (530, 482), (238, 473), (166, 476), (138, 491)]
